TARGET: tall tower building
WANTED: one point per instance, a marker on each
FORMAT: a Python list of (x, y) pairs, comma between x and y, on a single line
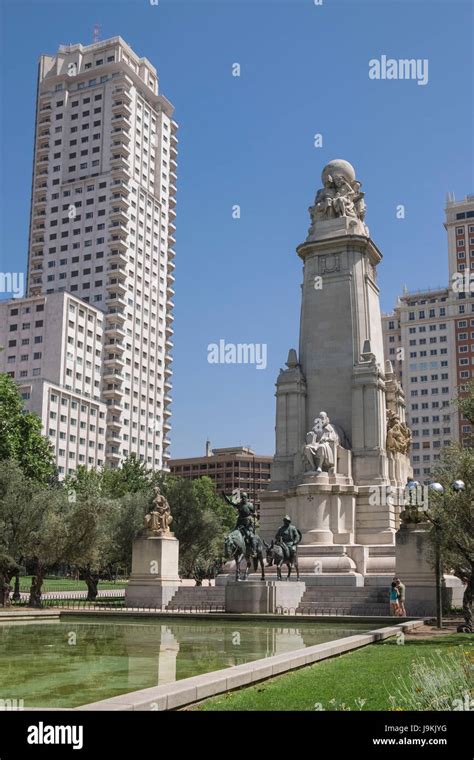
[(102, 229), (429, 338)]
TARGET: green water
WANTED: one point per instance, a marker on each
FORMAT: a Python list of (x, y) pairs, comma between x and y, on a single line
[(71, 663)]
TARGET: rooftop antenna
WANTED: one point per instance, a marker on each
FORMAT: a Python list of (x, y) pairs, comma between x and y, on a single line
[(96, 33)]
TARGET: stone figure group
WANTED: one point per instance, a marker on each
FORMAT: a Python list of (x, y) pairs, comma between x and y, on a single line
[(338, 197), (398, 434)]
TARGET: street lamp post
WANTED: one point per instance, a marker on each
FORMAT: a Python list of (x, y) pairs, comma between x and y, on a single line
[(457, 485)]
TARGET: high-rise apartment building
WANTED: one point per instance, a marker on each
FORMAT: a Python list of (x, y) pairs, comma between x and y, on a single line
[(102, 229), (429, 338)]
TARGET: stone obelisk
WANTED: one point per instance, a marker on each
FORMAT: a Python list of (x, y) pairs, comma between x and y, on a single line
[(339, 388)]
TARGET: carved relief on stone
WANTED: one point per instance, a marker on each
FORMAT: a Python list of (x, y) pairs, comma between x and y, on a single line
[(329, 264), (398, 434)]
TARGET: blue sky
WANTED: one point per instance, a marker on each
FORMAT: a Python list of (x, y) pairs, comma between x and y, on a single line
[(248, 140)]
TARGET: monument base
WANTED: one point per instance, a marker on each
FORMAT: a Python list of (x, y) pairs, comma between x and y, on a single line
[(260, 597), (154, 579)]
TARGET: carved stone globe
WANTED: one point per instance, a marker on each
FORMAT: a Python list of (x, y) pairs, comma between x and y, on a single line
[(338, 166)]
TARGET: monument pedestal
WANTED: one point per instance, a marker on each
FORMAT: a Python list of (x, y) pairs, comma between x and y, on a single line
[(154, 579), (260, 597), (414, 569)]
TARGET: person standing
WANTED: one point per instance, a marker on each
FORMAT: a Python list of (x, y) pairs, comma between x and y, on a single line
[(394, 600), (401, 598)]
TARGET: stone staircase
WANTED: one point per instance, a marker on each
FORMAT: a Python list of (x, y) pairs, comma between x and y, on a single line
[(198, 597), (344, 600)]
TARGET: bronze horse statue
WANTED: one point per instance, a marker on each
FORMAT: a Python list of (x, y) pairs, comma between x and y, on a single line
[(276, 556), (235, 548)]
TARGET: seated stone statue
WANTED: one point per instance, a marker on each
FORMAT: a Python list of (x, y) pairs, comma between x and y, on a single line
[(318, 450), (158, 521)]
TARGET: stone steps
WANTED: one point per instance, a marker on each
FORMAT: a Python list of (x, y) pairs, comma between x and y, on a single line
[(337, 599), (196, 596)]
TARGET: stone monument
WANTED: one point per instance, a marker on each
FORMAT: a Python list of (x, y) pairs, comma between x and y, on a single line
[(341, 436), (155, 553)]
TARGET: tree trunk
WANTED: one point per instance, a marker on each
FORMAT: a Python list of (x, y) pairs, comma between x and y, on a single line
[(92, 582), (16, 592), (35, 589)]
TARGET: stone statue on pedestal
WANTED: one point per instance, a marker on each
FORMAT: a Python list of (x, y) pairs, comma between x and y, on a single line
[(340, 196), (158, 521), (318, 451)]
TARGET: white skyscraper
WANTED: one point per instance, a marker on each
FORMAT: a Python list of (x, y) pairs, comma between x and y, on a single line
[(102, 229)]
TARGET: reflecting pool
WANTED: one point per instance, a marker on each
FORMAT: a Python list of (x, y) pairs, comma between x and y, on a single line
[(73, 662)]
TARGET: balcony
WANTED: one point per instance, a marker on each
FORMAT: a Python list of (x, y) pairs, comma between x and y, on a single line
[(114, 329), (114, 285), (117, 314), (171, 265), (169, 330), (37, 243), (118, 228), (119, 215), (113, 362), (114, 300), (120, 201), (166, 426), (121, 92), (121, 135), (167, 412), (118, 244), (40, 201), (117, 271), (114, 423), (121, 149), (169, 344), (42, 149), (120, 120), (121, 107), (116, 256), (117, 161), (113, 456), (167, 385)]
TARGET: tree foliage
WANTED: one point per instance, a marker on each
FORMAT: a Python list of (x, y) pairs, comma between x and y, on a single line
[(20, 435)]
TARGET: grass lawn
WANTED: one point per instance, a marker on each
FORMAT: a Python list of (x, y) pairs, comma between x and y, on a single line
[(366, 674), (67, 584)]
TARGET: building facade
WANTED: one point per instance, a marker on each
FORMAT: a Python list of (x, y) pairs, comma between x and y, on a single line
[(102, 230), (53, 349), (230, 469), (429, 338)]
